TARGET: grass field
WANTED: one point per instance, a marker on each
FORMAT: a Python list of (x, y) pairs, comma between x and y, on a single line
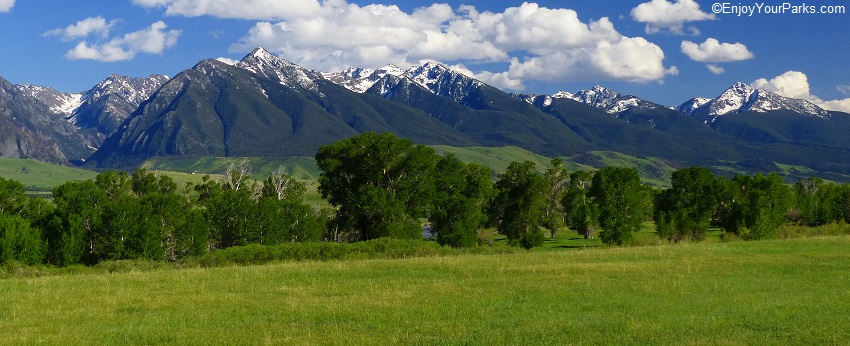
[(41, 175), (767, 292)]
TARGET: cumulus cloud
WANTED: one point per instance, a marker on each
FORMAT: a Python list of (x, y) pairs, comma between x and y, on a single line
[(713, 51), (715, 69), (670, 17), (244, 9), (89, 26), (6, 5), (795, 84), (152, 40), (551, 44), (631, 59)]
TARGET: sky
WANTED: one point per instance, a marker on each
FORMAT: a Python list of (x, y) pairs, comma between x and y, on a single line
[(665, 51)]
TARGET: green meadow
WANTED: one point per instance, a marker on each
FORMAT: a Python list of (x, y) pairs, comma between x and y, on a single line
[(41, 175), (762, 292)]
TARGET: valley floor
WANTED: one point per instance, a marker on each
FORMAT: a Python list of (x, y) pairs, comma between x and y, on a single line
[(762, 292)]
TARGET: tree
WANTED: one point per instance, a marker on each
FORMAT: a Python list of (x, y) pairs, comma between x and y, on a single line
[(458, 210), (13, 197), (577, 211), (819, 202), (556, 179), (768, 202), (381, 184), (75, 232), (283, 187), (621, 203), (519, 205), (20, 242), (685, 209), (753, 207)]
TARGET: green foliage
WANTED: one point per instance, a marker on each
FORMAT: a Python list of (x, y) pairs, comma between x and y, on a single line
[(380, 183), (20, 242), (684, 211), (818, 203), (621, 202), (556, 181), (321, 251), (518, 208), (753, 207), (458, 208), (13, 197), (577, 212)]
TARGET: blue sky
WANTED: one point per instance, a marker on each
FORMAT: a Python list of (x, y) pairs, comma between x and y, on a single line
[(665, 51)]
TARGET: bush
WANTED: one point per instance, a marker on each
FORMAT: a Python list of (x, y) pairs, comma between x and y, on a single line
[(127, 266), (788, 231), (20, 242), (381, 248)]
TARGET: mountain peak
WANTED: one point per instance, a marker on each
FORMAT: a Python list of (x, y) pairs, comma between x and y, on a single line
[(741, 97), (266, 64), (606, 99)]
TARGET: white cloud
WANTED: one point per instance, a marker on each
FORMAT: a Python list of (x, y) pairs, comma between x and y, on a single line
[(844, 89), (6, 5), (153, 40), (795, 84), (228, 61), (715, 69), (539, 42), (713, 51), (664, 16), (631, 59), (501, 80), (244, 9), (331, 35), (84, 28)]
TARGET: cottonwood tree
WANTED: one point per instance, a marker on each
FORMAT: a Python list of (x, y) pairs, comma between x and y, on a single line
[(686, 208), (556, 180), (281, 186), (519, 205), (621, 202), (380, 184), (13, 197), (458, 209), (578, 213)]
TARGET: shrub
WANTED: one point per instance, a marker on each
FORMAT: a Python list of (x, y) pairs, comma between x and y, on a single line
[(383, 248)]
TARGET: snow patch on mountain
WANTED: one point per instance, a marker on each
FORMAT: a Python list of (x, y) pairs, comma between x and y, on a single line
[(268, 65), (608, 100), (58, 102), (741, 97)]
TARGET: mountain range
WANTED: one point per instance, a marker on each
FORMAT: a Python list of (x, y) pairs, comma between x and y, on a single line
[(266, 106)]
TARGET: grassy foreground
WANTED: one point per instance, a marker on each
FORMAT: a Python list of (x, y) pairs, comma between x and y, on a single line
[(769, 292)]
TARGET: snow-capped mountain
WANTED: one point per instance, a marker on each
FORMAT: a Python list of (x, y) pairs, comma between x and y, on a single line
[(59, 102), (437, 78), (102, 107), (606, 99), (741, 98), (270, 66), (112, 100), (693, 104)]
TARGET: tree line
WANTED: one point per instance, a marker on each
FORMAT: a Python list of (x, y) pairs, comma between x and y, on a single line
[(381, 186)]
